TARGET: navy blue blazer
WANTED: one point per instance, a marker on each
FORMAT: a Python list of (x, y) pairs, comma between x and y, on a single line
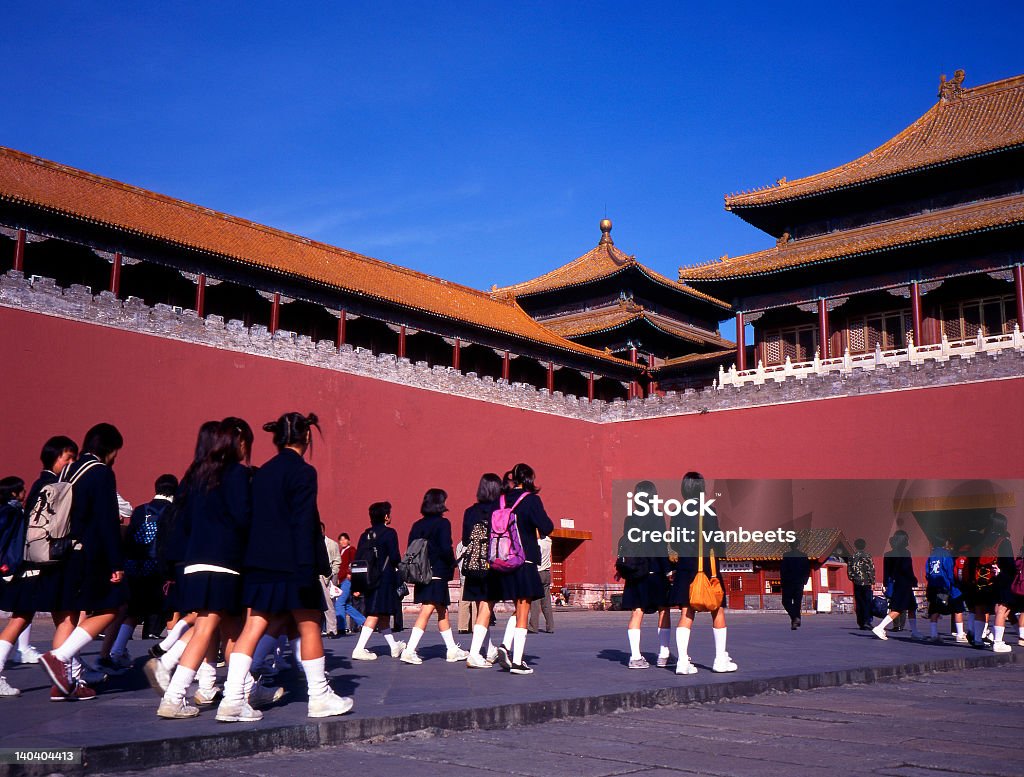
[(95, 521), (285, 526), (386, 542), (655, 552), (688, 551), (437, 531), (532, 520), (217, 521)]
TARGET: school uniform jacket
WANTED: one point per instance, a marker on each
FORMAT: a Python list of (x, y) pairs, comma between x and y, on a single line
[(95, 521), (688, 562), (217, 521), (531, 519), (656, 553), (285, 531), (437, 531)]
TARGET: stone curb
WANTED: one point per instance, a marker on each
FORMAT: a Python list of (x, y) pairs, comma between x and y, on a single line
[(240, 741)]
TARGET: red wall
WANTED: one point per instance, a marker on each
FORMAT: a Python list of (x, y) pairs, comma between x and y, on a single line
[(386, 441)]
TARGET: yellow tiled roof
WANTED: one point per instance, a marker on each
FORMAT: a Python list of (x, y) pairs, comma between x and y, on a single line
[(614, 316)]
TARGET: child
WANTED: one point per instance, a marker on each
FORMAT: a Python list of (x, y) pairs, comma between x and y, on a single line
[(380, 542), (944, 597)]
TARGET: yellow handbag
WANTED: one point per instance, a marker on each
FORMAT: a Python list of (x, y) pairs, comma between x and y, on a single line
[(706, 593)]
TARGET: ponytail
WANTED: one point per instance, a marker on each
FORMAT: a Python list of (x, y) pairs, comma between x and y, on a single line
[(293, 429)]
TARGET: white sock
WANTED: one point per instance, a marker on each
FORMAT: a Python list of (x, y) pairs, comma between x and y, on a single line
[(73, 645), (76, 668), (5, 651), (121, 642), (634, 643), (178, 686), (959, 628), (316, 677), (885, 622), (234, 686), (263, 648), (998, 632), (663, 641), (719, 641), (979, 629), (449, 640), (206, 675), (389, 636), (479, 636), (683, 644), (364, 637), (933, 626), (25, 638), (510, 629), (174, 634), (520, 646), (414, 639), (171, 658)]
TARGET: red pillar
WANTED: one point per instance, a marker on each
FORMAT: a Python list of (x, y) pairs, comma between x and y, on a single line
[(115, 274), (590, 387), (823, 330), (201, 295), (551, 377), (1018, 286), (19, 251), (634, 385), (741, 343), (275, 312), (506, 366), (401, 341), (915, 311), (340, 339), (457, 355)]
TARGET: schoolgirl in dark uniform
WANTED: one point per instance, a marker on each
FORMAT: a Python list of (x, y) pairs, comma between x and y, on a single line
[(12, 517), (522, 585), (92, 574), (433, 596), (217, 513), (383, 601), (283, 561), (996, 599), (649, 594), (686, 570), (486, 589), (900, 582)]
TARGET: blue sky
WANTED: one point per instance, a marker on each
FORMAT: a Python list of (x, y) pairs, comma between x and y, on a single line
[(482, 142)]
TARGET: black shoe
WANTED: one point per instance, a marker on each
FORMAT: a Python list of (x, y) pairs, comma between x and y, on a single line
[(799, 622), (520, 669), (156, 651), (331, 635), (793, 624), (503, 658)]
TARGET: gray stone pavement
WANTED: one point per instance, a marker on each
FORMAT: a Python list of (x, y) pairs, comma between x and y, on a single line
[(580, 671), (906, 728)]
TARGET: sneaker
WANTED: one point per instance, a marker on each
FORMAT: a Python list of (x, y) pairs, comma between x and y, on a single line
[(172, 710), (6, 691), (329, 704), (206, 698), (155, 651), (724, 664), (639, 663), (456, 654), (492, 655), (93, 676), (57, 671), (520, 669), (81, 692), (664, 661), (502, 657), (934, 640), (1019, 641), (27, 656), (685, 666), (264, 695), (237, 713), (410, 657), (362, 654), (398, 649), (110, 667), (879, 632), (961, 639), (157, 674), (1000, 647), (476, 661)]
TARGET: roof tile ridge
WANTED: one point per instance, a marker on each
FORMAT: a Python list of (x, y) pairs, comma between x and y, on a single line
[(994, 87)]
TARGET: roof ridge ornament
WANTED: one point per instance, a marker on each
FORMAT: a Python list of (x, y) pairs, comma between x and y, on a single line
[(953, 88), (606, 233)]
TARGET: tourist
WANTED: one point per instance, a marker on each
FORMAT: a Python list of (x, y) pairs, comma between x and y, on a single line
[(378, 546), (12, 528), (794, 572), (943, 594), (861, 571), (433, 596), (900, 582), (522, 585), (90, 589), (329, 582), (284, 556), (644, 568), (344, 607), (543, 605), (480, 585), (692, 556), (992, 572)]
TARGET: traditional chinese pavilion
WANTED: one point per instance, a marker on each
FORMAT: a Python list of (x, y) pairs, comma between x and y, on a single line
[(607, 300), (915, 244)]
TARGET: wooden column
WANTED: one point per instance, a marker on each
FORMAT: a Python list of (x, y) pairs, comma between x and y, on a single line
[(201, 295), (915, 312), (634, 385), (19, 251), (590, 387), (401, 341), (741, 343), (823, 330), (340, 339), (506, 366), (551, 377), (115, 274), (457, 355), (275, 312), (1018, 287)]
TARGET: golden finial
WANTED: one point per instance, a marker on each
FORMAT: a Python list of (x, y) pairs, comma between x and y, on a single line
[(606, 232)]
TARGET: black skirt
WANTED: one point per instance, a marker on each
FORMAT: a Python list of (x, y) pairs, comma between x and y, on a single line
[(32, 590), (486, 588), (679, 592), (279, 592), (86, 586), (521, 583), (383, 601), (649, 594), (903, 599), (435, 592), (213, 591), (145, 596)]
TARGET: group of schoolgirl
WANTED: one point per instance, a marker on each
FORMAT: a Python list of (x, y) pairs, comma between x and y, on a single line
[(684, 575), (983, 580), (500, 563)]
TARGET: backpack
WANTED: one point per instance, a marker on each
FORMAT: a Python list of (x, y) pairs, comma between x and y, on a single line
[(631, 568), (144, 538), (960, 570), (365, 569), (12, 539), (933, 573), (415, 564), (474, 558), (49, 521), (505, 551), (983, 574)]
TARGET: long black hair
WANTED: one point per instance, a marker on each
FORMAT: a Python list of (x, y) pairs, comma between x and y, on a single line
[(205, 440), (102, 440), (523, 475), (225, 450), (489, 489)]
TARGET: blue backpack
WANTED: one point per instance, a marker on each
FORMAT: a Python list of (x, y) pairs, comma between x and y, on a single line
[(12, 538)]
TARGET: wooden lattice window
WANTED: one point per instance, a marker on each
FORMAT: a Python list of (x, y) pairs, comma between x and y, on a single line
[(797, 342), (992, 315), (887, 330)]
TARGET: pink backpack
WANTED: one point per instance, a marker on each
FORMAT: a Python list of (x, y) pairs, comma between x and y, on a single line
[(505, 553)]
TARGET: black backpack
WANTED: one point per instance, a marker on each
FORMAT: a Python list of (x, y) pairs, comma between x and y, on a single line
[(366, 568), (631, 568)]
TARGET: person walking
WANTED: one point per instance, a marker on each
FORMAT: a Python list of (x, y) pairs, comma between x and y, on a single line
[(329, 582), (943, 593), (861, 572), (794, 571), (543, 605), (343, 605), (480, 584), (992, 573), (378, 548), (900, 582)]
